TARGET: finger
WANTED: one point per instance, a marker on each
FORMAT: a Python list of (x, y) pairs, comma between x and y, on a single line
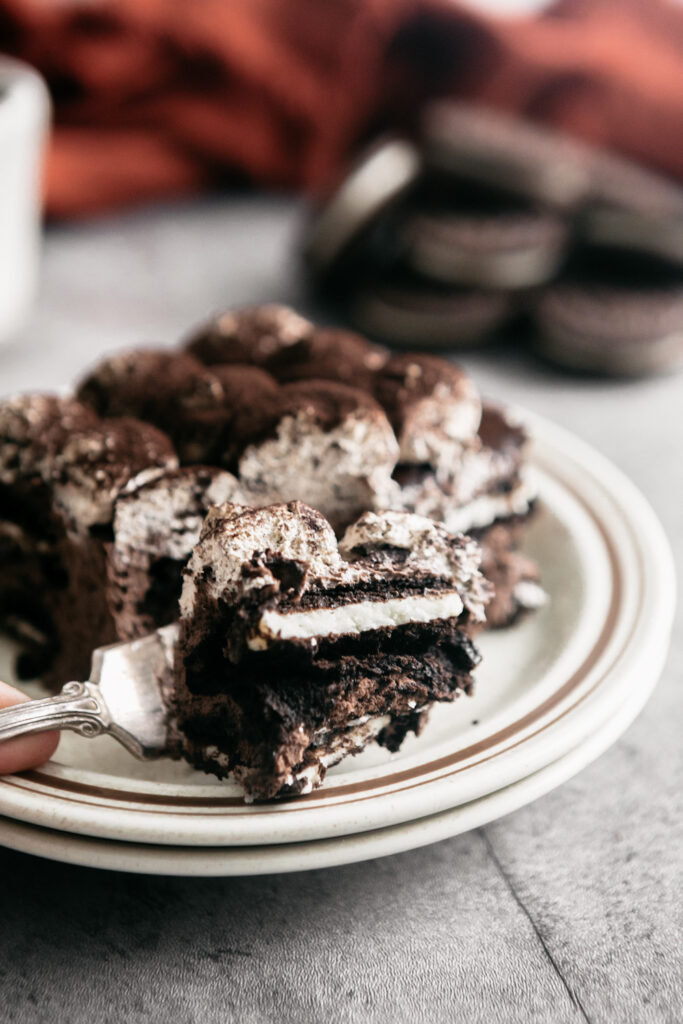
[(26, 751)]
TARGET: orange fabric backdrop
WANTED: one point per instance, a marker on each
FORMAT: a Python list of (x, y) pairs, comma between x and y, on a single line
[(158, 98)]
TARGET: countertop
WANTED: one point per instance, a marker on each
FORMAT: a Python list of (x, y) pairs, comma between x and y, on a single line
[(570, 909)]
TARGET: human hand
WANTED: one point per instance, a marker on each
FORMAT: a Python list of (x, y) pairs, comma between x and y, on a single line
[(26, 751)]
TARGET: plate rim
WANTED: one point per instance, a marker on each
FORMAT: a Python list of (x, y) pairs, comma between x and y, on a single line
[(244, 861)]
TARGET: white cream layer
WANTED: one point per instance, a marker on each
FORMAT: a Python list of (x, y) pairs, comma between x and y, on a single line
[(353, 618), (484, 510)]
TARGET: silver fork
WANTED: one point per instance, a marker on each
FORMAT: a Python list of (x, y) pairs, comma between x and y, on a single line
[(124, 698)]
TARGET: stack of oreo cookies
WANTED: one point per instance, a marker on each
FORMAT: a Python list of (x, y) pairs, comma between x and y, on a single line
[(486, 219)]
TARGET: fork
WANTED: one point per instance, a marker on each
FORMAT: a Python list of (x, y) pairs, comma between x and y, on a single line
[(125, 697)]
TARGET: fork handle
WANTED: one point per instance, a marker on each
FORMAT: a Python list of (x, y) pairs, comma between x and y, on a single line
[(79, 707)]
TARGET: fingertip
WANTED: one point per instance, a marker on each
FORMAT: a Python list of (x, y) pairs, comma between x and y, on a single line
[(26, 751)]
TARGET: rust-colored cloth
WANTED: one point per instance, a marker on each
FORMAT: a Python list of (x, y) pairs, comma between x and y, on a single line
[(159, 98)]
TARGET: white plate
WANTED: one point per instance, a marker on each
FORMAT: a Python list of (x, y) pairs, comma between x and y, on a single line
[(545, 688), (146, 858)]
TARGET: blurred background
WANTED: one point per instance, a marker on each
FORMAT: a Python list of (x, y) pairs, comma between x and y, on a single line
[(436, 174)]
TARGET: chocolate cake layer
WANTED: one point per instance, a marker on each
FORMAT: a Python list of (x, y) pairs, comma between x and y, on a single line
[(291, 644)]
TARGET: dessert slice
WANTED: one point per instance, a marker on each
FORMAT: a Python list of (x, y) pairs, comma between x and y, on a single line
[(296, 650), (61, 472), (462, 463), (96, 524)]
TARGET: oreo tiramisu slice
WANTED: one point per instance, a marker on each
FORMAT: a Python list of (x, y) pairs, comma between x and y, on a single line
[(295, 650)]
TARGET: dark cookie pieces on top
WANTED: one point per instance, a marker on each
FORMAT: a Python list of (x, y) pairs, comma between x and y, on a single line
[(330, 353), (214, 412), (204, 410), (431, 403), (250, 335), (96, 465), (33, 427), (172, 390)]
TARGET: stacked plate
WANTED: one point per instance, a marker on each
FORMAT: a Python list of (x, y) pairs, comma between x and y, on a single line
[(553, 692)]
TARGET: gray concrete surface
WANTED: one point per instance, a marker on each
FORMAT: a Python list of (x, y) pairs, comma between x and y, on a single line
[(568, 910)]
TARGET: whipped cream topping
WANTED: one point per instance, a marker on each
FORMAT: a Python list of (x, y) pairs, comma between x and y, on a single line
[(427, 498), (435, 427), (427, 547), (96, 466), (241, 549), (235, 539), (530, 595), (164, 517), (339, 471)]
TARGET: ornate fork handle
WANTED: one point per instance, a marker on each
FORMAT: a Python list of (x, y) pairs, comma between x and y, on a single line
[(79, 707)]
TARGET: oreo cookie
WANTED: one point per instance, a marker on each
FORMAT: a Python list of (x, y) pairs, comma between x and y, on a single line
[(608, 329), (506, 249), (633, 209), (374, 186), (408, 312), (516, 157)]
